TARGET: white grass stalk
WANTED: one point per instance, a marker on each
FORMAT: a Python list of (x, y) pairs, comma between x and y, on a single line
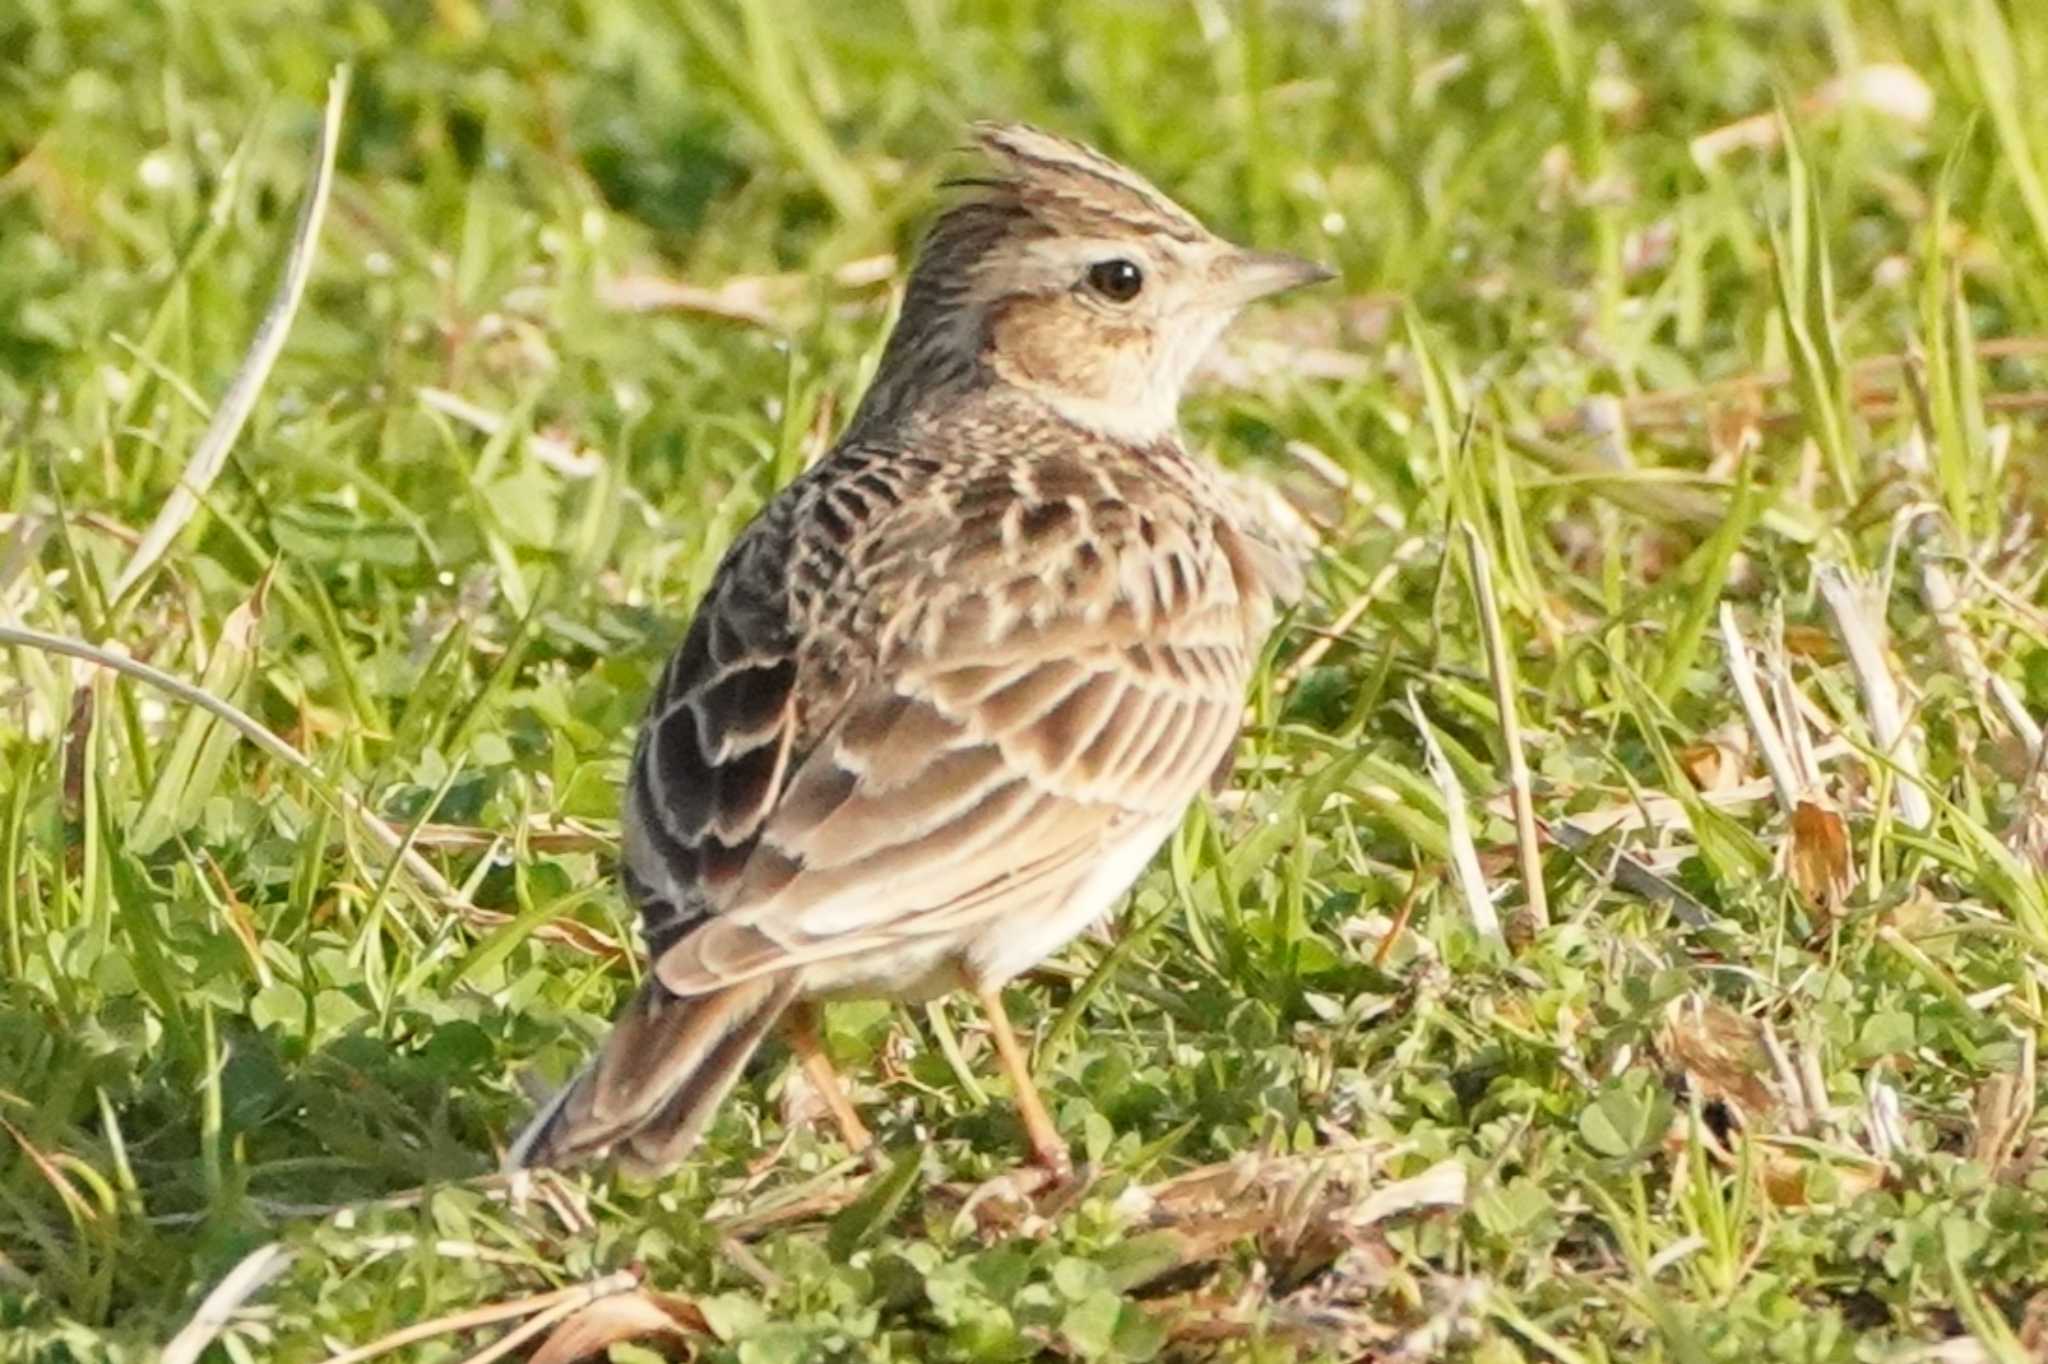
[(527, 1330), (560, 455), (1792, 716), (1769, 742), (239, 401), (1791, 1090), (1859, 620), (256, 1269), (542, 1310), (1464, 855), (1502, 665)]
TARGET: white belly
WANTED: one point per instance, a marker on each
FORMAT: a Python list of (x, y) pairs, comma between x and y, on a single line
[(912, 971), (1035, 926), (1017, 942)]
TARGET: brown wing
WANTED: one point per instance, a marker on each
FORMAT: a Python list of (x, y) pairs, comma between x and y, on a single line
[(714, 751), (1046, 676), (741, 702)]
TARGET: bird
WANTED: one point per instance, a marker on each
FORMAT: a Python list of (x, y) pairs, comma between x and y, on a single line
[(954, 686)]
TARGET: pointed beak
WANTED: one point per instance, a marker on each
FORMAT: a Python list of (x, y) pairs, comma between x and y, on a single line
[(1253, 275)]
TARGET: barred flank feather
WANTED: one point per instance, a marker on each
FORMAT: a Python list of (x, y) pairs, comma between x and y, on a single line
[(666, 1066)]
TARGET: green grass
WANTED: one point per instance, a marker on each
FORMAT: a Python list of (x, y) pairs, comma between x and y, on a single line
[(226, 1021)]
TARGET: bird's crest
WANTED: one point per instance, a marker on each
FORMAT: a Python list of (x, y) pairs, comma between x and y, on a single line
[(1067, 188)]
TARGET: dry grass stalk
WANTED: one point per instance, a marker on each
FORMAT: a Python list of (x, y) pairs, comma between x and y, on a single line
[(1331, 474), (1816, 852), (2027, 830), (1652, 493), (265, 1264), (1884, 1119), (81, 1210), (1680, 406), (571, 837), (1890, 88), (1801, 1089), (820, 1201), (498, 1188), (240, 400), (1938, 591), (249, 1276), (1777, 756), (1353, 612), (1501, 665), (754, 300), (1858, 614), (1793, 711), (533, 1326), (1303, 1210), (637, 1315), (1249, 362), (1458, 830), (2003, 1111), (430, 881), (1657, 812), (544, 1309), (562, 456), (19, 546)]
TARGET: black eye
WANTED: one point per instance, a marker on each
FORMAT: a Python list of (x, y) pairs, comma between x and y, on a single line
[(1116, 280)]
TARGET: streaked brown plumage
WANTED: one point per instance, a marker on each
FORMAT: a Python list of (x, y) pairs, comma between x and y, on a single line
[(954, 686)]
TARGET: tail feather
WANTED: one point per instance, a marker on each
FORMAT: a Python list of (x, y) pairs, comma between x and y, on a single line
[(669, 1062)]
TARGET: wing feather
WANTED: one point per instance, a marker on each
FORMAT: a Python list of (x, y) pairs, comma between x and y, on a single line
[(1006, 719)]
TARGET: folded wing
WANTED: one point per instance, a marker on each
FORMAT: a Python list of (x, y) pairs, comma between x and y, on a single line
[(1054, 684)]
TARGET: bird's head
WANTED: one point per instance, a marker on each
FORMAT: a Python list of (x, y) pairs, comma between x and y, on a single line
[(1067, 275)]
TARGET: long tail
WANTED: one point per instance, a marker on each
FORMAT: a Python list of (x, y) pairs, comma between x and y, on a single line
[(660, 1076)]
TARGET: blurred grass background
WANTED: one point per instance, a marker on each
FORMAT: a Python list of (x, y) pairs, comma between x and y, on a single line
[(599, 275)]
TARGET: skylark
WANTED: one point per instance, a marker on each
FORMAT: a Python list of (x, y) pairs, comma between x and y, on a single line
[(955, 685)]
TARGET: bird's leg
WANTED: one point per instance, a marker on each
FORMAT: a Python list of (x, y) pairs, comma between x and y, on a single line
[(1047, 1148), (809, 1045)]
